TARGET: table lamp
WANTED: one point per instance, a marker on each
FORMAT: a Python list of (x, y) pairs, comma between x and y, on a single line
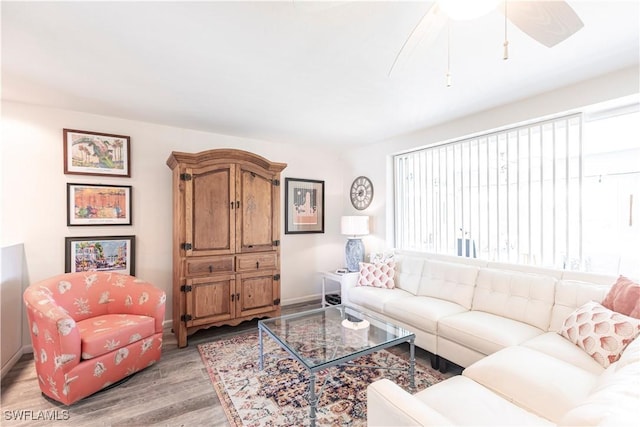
[(354, 226)]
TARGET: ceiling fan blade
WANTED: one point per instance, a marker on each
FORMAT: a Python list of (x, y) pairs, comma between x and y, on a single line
[(548, 22), (425, 32)]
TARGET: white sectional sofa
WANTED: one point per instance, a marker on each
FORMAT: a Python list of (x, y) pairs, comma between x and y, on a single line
[(500, 322)]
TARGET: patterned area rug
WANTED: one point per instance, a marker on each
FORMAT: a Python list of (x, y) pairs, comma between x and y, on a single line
[(277, 395)]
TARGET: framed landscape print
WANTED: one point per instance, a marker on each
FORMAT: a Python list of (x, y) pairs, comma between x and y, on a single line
[(112, 253), (93, 153), (303, 206), (95, 204)]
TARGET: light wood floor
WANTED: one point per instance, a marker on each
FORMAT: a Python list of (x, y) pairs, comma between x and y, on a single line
[(176, 391)]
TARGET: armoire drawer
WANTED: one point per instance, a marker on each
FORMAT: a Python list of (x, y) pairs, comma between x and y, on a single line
[(209, 265), (256, 261)]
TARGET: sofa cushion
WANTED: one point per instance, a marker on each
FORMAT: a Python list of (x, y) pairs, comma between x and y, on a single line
[(559, 347), (485, 332), (421, 312), (103, 334), (480, 404), (375, 298), (600, 332), (408, 272), (378, 274), (615, 399), (571, 294), (390, 405), (519, 296), (535, 381), (624, 297), (448, 281)]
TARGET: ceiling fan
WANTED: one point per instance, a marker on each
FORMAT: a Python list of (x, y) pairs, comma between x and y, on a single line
[(548, 22)]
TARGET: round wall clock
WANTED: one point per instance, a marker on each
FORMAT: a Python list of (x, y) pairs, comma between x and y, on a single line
[(361, 192)]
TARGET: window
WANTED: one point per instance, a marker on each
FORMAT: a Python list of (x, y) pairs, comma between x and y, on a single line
[(611, 202), (548, 193)]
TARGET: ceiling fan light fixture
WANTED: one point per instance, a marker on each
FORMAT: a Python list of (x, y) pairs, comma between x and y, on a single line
[(463, 10)]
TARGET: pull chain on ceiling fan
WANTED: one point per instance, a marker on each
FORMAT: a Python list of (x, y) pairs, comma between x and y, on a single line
[(547, 22), (505, 53), (449, 55)]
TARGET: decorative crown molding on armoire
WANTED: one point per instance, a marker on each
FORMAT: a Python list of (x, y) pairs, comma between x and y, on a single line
[(226, 239)]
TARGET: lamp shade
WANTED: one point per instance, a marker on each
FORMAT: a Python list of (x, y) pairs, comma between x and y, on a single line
[(354, 225)]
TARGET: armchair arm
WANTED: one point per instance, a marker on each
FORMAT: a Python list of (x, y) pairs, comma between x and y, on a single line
[(388, 404), (347, 281), (54, 334)]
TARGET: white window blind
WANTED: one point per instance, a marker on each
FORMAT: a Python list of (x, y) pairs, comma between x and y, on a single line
[(513, 195)]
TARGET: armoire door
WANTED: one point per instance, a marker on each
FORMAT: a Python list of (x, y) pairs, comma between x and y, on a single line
[(256, 218), (210, 210), (210, 299), (257, 292)]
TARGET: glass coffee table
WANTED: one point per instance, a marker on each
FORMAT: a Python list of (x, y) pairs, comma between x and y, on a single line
[(331, 336)]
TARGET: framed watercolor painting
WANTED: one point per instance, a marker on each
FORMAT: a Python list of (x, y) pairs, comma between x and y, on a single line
[(303, 206), (93, 153), (100, 253), (94, 204)]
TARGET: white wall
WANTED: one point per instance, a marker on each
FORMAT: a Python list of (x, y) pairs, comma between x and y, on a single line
[(13, 319), (34, 185), (34, 194), (375, 160)]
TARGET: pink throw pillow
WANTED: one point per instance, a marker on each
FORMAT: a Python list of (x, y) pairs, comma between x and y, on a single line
[(379, 275), (601, 333), (624, 297)]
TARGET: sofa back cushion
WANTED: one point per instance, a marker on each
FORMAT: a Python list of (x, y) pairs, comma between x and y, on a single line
[(519, 296), (630, 355), (408, 272), (571, 294), (448, 281)]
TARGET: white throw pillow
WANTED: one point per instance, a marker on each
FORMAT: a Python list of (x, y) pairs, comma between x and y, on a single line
[(379, 275), (600, 332)]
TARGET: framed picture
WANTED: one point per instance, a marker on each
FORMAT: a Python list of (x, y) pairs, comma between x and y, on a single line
[(94, 204), (100, 253), (303, 206), (93, 153)]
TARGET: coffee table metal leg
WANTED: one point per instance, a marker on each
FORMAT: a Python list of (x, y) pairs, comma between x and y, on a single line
[(412, 364), (313, 399), (261, 359)]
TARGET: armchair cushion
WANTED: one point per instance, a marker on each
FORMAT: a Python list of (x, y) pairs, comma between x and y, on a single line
[(103, 334)]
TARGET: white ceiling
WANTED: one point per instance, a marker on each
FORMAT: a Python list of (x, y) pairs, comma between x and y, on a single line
[(290, 71)]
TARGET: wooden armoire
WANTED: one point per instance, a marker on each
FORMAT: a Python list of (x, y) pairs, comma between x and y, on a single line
[(226, 239)]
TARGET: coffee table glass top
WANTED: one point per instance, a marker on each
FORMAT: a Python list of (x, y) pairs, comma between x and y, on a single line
[(332, 335)]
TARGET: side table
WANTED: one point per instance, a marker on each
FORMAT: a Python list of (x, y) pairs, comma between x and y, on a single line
[(332, 277)]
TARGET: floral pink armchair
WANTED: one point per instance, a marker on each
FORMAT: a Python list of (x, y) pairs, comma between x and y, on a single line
[(92, 329)]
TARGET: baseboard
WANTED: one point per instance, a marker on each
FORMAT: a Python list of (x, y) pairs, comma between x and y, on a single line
[(307, 298)]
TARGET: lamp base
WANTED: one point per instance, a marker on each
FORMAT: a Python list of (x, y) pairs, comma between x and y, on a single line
[(354, 253)]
